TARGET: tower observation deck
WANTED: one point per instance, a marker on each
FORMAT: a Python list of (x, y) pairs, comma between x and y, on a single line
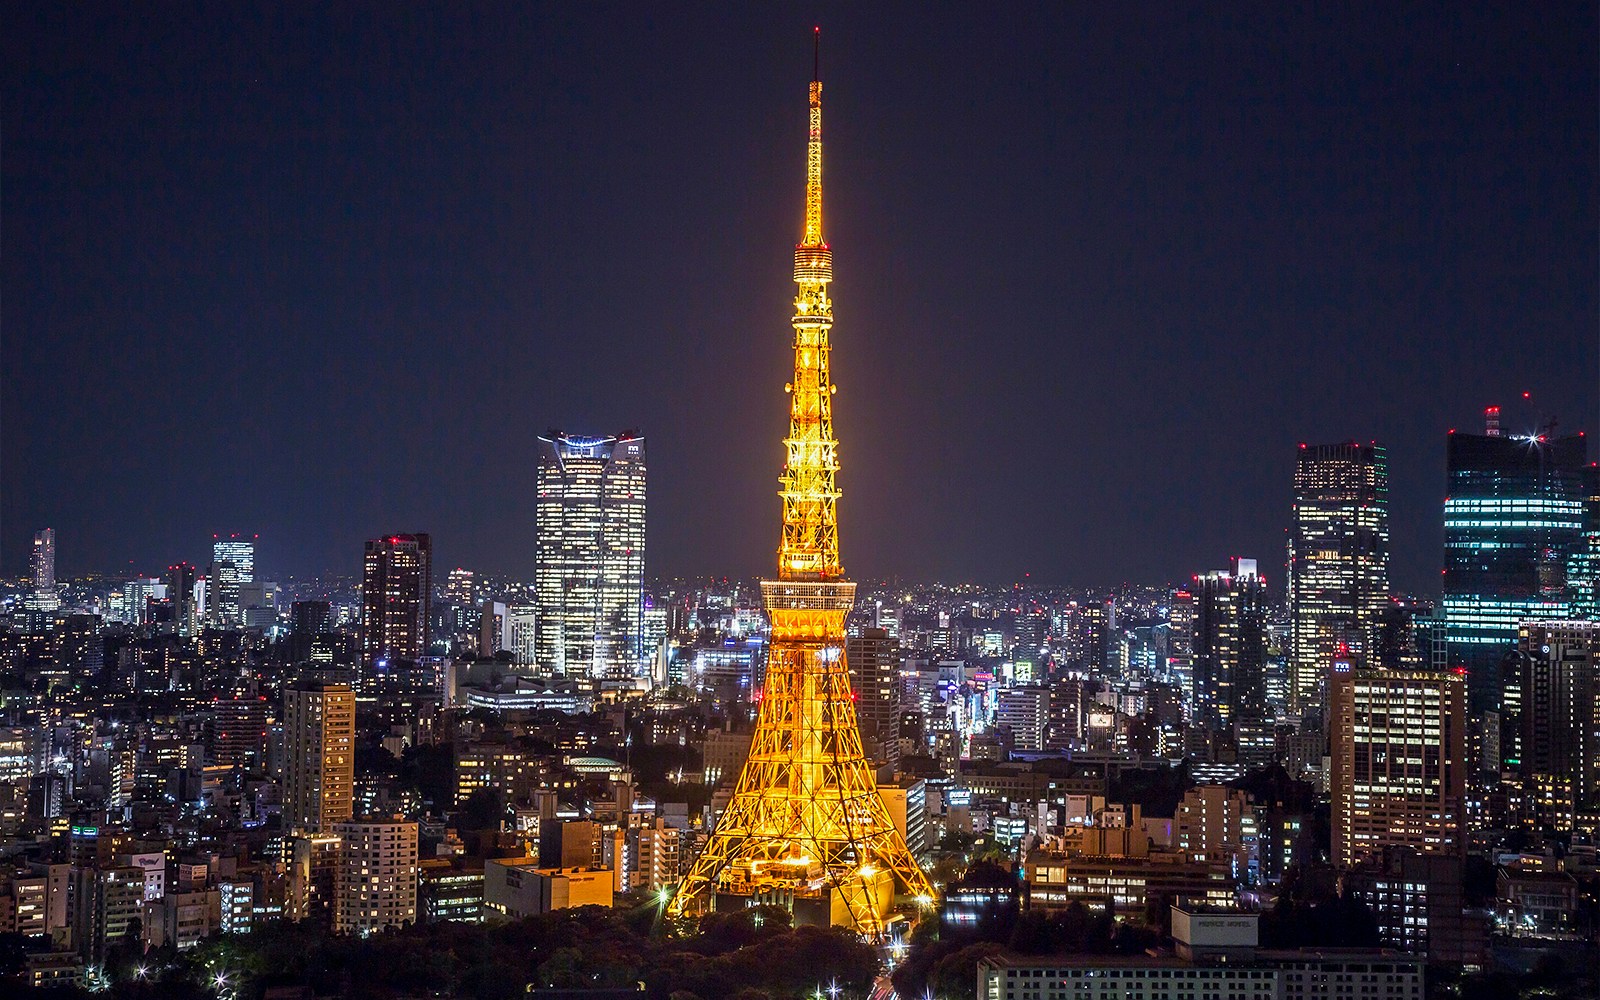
[(806, 827)]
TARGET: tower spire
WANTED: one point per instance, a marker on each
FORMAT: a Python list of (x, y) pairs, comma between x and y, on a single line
[(810, 547), (813, 234)]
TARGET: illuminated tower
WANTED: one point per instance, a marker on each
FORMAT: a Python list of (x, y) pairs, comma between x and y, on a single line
[(44, 597), (1338, 560), (806, 827)]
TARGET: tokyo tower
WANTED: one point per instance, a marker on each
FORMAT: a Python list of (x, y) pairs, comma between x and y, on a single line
[(806, 828)]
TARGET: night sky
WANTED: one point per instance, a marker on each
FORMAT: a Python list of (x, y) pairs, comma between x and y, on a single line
[(322, 275)]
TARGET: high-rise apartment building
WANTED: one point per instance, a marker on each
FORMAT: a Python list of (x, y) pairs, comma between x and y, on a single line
[(1338, 563), (1514, 519), (319, 732), (233, 562), (589, 570), (1180, 644), (396, 592), (1229, 643), (376, 884), (42, 563), (1397, 740), (874, 660), (237, 733), (1557, 704)]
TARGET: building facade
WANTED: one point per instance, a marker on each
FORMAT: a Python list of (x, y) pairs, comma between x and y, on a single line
[(396, 595), (42, 567), (376, 886), (589, 568), (1338, 565), (1397, 741), (1553, 696), (1514, 524), (233, 562), (874, 660), (1230, 643), (319, 731)]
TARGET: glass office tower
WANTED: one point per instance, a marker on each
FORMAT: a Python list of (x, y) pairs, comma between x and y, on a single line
[(589, 569), (1514, 525)]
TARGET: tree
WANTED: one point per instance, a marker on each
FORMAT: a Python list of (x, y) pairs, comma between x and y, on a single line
[(482, 810), (956, 976)]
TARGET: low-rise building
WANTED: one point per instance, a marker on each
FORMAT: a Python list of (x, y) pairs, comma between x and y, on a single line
[(450, 889), (1531, 903), (517, 887), (1215, 956), (1419, 904)]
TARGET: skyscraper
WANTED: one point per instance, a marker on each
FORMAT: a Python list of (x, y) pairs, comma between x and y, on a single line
[(1557, 702), (1514, 518), (1180, 644), (43, 565), (233, 561), (1397, 740), (807, 824), (396, 591), (319, 733), (180, 591), (1229, 643), (589, 568), (1338, 559), (874, 659)]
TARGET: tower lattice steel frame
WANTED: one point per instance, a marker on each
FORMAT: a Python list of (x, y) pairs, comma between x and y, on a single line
[(806, 820)]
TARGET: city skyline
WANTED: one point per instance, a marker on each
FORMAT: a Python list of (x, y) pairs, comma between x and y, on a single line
[(571, 764), (1285, 298)]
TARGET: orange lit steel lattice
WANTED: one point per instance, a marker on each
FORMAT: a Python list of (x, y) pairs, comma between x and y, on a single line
[(806, 821)]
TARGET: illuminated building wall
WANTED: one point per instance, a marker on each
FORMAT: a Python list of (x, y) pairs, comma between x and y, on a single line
[(42, 564), (1338, 559), (1583, 571), (874, 659), (1230, 643), (589, 570), (319, 731), (1180, 645), (1024, 712), (233, 561), (1557, 708), (1514, 516), (396, 591), (1398, 746), (238, 733), (376, 884)]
